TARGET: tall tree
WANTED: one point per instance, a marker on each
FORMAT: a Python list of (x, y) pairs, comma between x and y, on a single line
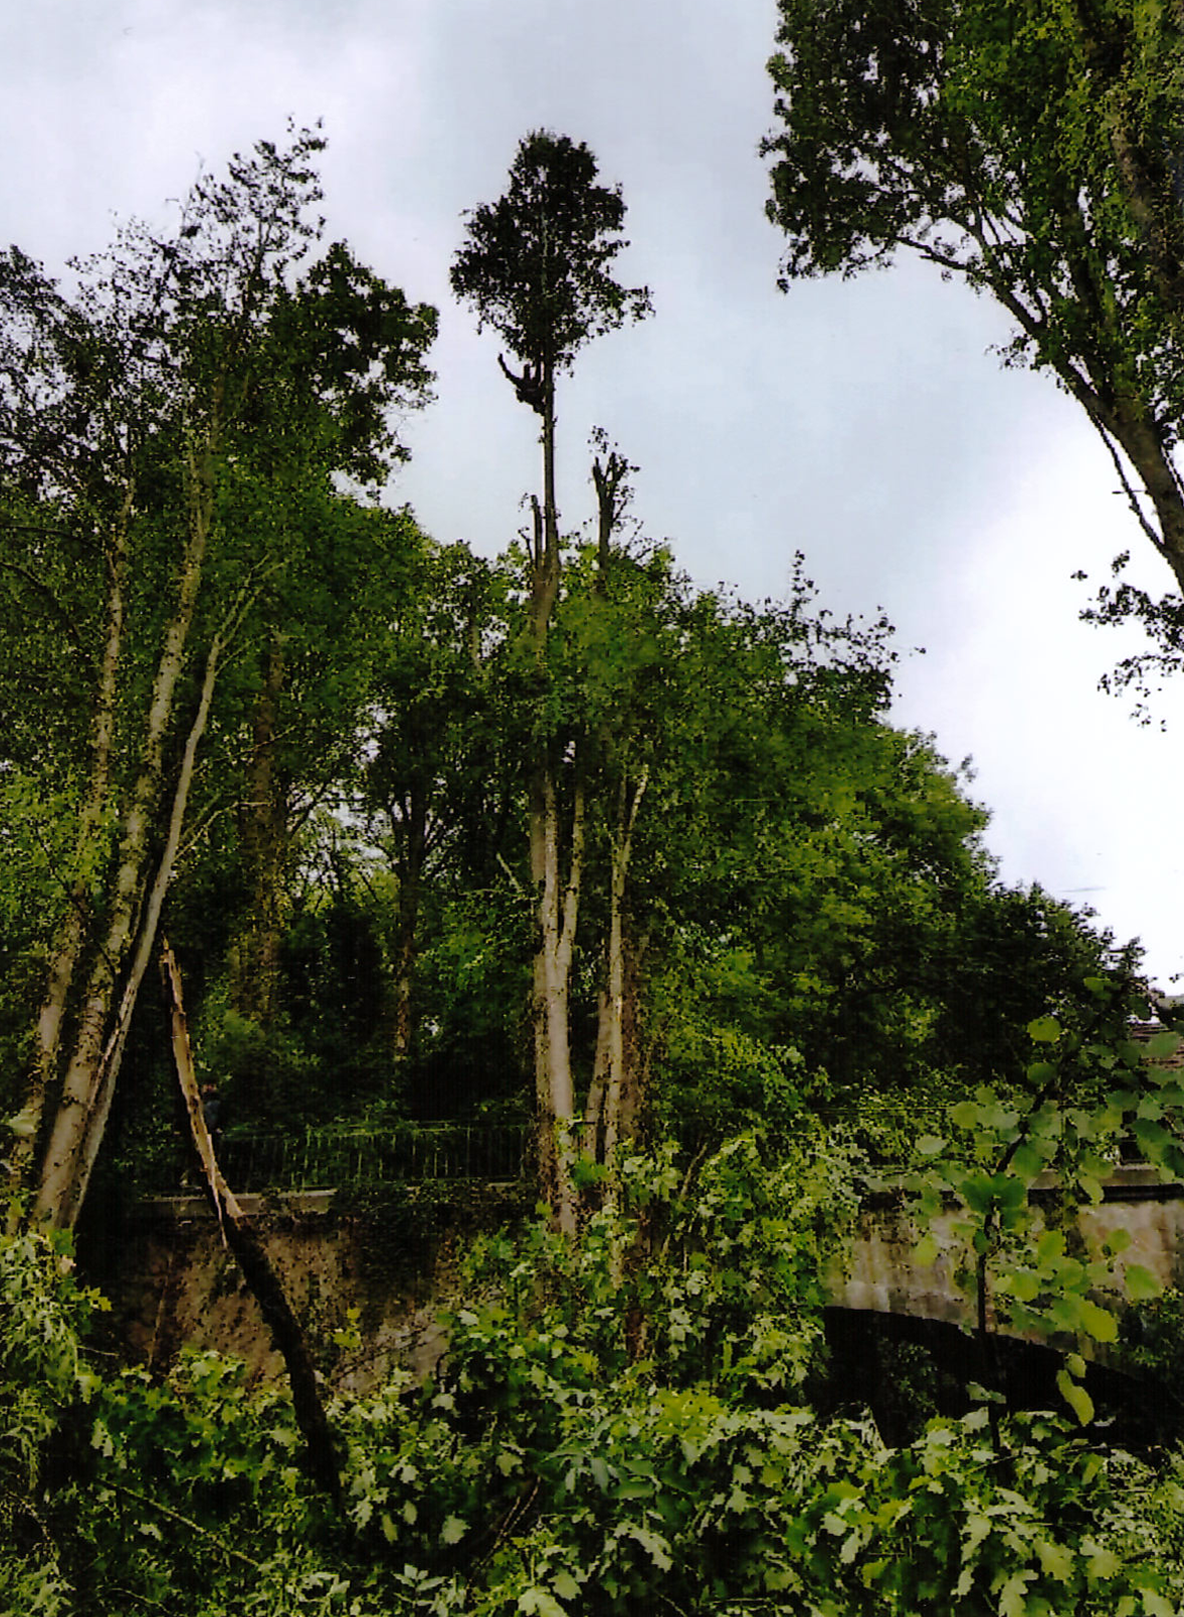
[(537, 266), (170, 423), (430, 743), (1031, 148)]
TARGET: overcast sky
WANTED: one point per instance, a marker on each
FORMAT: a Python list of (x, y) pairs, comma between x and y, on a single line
[(865, 423)]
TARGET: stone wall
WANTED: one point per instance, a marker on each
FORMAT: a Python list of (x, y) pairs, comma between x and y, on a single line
[(175, 1283)]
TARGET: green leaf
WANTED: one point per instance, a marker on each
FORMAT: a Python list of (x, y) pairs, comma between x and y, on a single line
[(454, 1529), (565, 1586), (925, 1252), (1044, 1030), (966, 1114), (539, 1602), (930, 1145), (1098, 1322), (1050, 1245), (1075, 1365), (1024, 1285), (1141, 1285), (1040, 1073), (1157, 1605), (1028, 1161), (1056, 1560), (1078, 1400), (1013, 1598)]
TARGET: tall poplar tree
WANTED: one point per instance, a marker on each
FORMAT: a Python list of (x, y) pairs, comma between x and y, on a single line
[(537, 267)]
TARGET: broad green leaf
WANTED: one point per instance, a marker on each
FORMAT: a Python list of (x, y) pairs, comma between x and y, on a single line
[(1141, 1285), (1090, 1188), (1028, 1161), (1040, 1073), (454, 1529), (1024, 1285), (1101, 1563), (1013, 1598), (539, 1602), (966, 1114), (1050, 1245), (1044, 1030), (1157, 1605), (1075, 1365), (1078, 1400), (1098, 1322), (925, 1251), (930, 1145), (1056, 1560)]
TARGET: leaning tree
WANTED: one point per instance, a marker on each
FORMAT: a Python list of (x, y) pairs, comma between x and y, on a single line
[(167, 430), (1031, 148)]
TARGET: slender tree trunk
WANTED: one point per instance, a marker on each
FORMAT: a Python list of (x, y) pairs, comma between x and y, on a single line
[(608, 1105), (557, 915), (612, 1106), (410, 870), (64, 1154), (557, 893), (103, 1089), (72, 932), (263, 832)]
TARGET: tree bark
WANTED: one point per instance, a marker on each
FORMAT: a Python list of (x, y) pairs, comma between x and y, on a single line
[(103, 1088), (72, 932), (263, 838), (57, 1202), (410, 869), (557, 894), (612, 1106), (266, 1286)]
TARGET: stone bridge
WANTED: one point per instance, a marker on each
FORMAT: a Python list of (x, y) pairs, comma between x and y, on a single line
[(175, 1283), (882, 1273)]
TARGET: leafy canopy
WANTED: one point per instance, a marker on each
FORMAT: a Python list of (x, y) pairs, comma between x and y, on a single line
[(537, 263), (1029, 147)]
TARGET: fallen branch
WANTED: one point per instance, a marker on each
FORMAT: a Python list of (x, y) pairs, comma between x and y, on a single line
[(240, 1237)]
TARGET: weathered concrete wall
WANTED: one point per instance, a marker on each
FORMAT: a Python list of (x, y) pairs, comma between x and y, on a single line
[(882, 1273), (177, 1284)]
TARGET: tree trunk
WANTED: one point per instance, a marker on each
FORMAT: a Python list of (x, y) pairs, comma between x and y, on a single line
[(409, 832), (64, 1157), (72, 932), (612, 1107), (103, 1089), (263, 835), (265, 1284), (557, 895), (557, 914)]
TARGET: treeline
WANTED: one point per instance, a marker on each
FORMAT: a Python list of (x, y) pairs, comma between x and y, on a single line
[(556, 834)]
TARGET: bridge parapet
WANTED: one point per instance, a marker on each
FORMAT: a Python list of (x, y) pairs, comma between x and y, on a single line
[(881, 1272)]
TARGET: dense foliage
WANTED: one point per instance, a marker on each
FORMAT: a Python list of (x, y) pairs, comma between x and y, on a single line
[(385, 794), (618, 1421), (1031, 149)]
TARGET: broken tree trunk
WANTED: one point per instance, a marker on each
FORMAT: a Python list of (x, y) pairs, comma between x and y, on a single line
[(240, 1237)]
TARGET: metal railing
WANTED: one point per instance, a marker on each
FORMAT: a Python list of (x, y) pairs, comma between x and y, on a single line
[(336, 1157)]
